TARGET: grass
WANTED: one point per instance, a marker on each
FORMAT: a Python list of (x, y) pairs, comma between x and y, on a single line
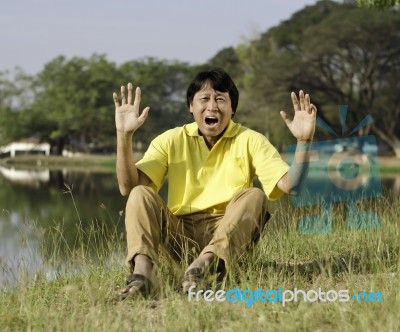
[(98, 162), (386, 164), (83, 296)]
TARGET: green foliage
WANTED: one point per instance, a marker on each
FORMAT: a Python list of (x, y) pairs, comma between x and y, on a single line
[(337, 52), (228, 59), (72, 102), (16, 96), (272, 65), (163, 85), (378, 3)]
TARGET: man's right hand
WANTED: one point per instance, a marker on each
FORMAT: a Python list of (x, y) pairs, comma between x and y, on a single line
[(127, 117)]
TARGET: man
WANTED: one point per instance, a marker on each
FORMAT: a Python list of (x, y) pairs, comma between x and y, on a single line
[(210, 164)]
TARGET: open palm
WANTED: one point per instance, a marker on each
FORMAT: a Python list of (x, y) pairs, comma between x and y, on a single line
[(127, 116), (302, 126)]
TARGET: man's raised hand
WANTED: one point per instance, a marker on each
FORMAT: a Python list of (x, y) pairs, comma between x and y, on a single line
[(302, 125), (127, 116)]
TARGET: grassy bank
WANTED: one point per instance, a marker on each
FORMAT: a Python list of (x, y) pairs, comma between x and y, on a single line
[(41, 161), (354, 260), (387, 165)]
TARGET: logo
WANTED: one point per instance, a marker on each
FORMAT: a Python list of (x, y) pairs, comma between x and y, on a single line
[(249, 297), (343, 170)]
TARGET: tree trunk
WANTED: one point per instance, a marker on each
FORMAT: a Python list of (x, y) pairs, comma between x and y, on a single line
[(389, 139), (396, 150), (57, 146)]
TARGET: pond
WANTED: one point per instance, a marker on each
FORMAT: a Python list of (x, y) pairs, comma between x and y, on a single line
[(35, 200)]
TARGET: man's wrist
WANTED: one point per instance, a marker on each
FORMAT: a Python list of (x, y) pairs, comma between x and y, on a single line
[(124, 134), (302, 151), (308, 141), (303, 145)]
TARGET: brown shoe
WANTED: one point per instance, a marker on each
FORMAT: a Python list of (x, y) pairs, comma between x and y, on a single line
[(199, 277), (136, 285), (193, 277)]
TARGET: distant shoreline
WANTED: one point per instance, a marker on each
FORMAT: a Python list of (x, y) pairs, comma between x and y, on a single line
[(107, 162), (57, 162)]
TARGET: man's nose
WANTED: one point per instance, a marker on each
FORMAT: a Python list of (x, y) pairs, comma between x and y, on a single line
[(212, 105)]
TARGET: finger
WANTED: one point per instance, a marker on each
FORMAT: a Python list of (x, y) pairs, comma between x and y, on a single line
[(116, 100), (295, 102), (137, 95), (123, 102), (307, 103), (313, 109), (285, 117), (142, 118), (302, 101), (130, 93)]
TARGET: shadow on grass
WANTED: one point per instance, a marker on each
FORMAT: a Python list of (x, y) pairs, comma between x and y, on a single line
[(347, 263)]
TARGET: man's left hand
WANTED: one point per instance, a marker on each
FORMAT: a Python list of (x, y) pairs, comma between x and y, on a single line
[(302, 126)]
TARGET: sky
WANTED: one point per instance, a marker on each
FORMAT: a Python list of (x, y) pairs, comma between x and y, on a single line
[(34, 32)]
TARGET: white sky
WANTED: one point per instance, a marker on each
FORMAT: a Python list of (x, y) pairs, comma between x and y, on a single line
[(34, 32)]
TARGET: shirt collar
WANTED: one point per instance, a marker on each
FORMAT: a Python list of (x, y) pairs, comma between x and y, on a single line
[(192, 129)]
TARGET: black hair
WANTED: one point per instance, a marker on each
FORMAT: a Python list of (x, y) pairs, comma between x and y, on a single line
[(219, 80)]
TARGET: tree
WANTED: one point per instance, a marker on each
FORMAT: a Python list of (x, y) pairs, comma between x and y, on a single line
[(163, 84), (339, 53), (15, 97), (378, 3), (72, 103), (228, 59)]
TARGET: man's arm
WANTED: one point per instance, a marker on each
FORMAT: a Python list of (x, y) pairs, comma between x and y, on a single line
[(127, 174), (127, 121), (290, 183), (302, 127)]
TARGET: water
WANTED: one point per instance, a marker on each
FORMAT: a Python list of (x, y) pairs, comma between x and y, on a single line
[(32, 201)]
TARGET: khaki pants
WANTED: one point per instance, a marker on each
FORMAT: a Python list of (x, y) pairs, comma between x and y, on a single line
[(149, 224)]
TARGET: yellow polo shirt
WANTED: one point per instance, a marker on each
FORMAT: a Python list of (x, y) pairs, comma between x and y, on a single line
[(206, 180)]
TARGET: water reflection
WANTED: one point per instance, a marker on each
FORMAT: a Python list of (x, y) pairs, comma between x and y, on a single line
[(26, 177), (19, 250), (36, 200)]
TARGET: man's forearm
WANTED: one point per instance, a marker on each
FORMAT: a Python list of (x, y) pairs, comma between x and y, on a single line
[(292, 180), (127, 173), (299, 168)]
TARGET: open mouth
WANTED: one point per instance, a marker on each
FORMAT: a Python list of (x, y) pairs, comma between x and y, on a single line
[(211, 121)]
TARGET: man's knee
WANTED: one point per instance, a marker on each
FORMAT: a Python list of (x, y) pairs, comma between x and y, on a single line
[(141, 192), (256, 200), (254, 195)]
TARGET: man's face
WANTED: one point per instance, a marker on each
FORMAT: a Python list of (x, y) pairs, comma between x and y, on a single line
[(212, 111)]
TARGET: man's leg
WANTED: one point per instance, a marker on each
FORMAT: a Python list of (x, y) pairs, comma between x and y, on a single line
[(241, 226), (149, 223)]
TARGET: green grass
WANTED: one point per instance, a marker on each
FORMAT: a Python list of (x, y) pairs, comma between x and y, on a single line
[(84, 296), (389, 169), (98, 162)]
